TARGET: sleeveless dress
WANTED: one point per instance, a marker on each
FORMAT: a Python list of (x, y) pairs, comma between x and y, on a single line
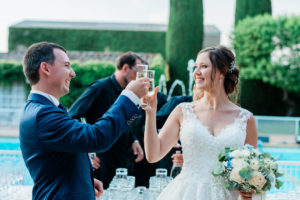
[(200, 153)]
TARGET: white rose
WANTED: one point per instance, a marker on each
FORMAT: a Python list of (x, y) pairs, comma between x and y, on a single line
[(267, 162), (254, 164), (236, 154), (235, 176), (238, 163), (245, 153), (256, 152), (257, 180)]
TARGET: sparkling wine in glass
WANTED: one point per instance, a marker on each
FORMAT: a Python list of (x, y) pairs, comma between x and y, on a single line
[(150, 75), (151, 88)]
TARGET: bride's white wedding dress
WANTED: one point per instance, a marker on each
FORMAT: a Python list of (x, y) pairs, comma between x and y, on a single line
[(200, 153)]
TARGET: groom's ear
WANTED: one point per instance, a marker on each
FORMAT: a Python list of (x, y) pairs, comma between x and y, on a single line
[(125, 68)]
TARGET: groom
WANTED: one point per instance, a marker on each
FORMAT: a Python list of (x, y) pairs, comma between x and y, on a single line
[(55, 146)]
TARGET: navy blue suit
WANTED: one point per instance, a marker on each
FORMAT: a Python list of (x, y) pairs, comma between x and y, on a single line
[(55, 146)]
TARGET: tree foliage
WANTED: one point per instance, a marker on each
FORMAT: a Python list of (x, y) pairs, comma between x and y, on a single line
[(184, 37), (269, 49), (251, 8)]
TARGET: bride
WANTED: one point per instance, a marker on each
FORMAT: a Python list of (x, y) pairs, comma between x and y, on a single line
[(204, 127)]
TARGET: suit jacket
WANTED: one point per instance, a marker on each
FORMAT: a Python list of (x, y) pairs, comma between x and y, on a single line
[(55, 146)]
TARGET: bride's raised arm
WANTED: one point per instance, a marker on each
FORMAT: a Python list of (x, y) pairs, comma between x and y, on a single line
[(158, 145)]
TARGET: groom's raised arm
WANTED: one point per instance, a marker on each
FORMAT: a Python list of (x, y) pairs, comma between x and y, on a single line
[(56, 130), (54, 125)]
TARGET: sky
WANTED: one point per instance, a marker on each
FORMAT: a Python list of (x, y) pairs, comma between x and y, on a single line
[(216, 12)]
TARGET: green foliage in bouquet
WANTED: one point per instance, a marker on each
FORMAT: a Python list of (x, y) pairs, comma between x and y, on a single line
[(246, 169)]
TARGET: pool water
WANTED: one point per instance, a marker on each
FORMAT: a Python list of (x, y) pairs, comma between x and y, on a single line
[(9, 144), (285, 154)]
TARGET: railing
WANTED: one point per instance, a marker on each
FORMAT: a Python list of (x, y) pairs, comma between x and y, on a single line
[(10, 116), (278, 125), (291, 177)]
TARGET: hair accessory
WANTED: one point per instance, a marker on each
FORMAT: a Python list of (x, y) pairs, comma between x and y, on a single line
[(232, 66)]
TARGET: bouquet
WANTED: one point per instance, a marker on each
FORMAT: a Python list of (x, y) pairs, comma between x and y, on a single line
[(246, 169)]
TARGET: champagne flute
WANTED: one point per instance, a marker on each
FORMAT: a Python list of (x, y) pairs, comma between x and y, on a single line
[(150, 75), (141, 73), (141, 69)]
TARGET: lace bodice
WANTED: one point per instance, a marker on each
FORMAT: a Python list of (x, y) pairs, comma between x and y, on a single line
[(200, 148), (200, 153)]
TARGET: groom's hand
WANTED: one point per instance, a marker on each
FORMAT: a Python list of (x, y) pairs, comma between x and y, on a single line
[(139, 87), (98, 188)]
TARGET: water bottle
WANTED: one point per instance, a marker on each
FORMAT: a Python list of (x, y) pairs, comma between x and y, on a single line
[(176, 169)]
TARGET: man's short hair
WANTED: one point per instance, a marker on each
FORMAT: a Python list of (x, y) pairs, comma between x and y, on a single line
[(128, 58), (35, 55)]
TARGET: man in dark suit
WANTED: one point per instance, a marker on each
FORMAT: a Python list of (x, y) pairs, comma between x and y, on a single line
[(94, 102), (55, 146)]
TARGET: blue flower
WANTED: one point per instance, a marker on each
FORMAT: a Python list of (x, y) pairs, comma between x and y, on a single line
[(229, 164), (228, 156)]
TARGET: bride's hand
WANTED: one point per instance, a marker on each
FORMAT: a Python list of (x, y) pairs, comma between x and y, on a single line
[(150, 100), (246, 195)]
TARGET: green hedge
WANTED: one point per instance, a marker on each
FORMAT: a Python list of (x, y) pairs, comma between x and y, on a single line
[(92, 40), (10, 72), (86, 73)]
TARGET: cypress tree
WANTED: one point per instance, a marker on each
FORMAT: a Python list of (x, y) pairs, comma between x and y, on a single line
[(245, 8), (184, 36)]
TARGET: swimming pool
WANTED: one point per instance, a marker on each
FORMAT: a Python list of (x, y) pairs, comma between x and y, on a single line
[(285, 154)]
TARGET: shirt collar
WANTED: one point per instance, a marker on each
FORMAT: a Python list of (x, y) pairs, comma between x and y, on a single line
[(116, 84), (48, 96)]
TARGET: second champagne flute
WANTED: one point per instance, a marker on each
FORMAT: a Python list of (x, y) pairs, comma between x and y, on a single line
[(150, 75)]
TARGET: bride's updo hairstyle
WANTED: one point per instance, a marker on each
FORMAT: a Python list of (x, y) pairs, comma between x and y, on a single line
[(223, 59)]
